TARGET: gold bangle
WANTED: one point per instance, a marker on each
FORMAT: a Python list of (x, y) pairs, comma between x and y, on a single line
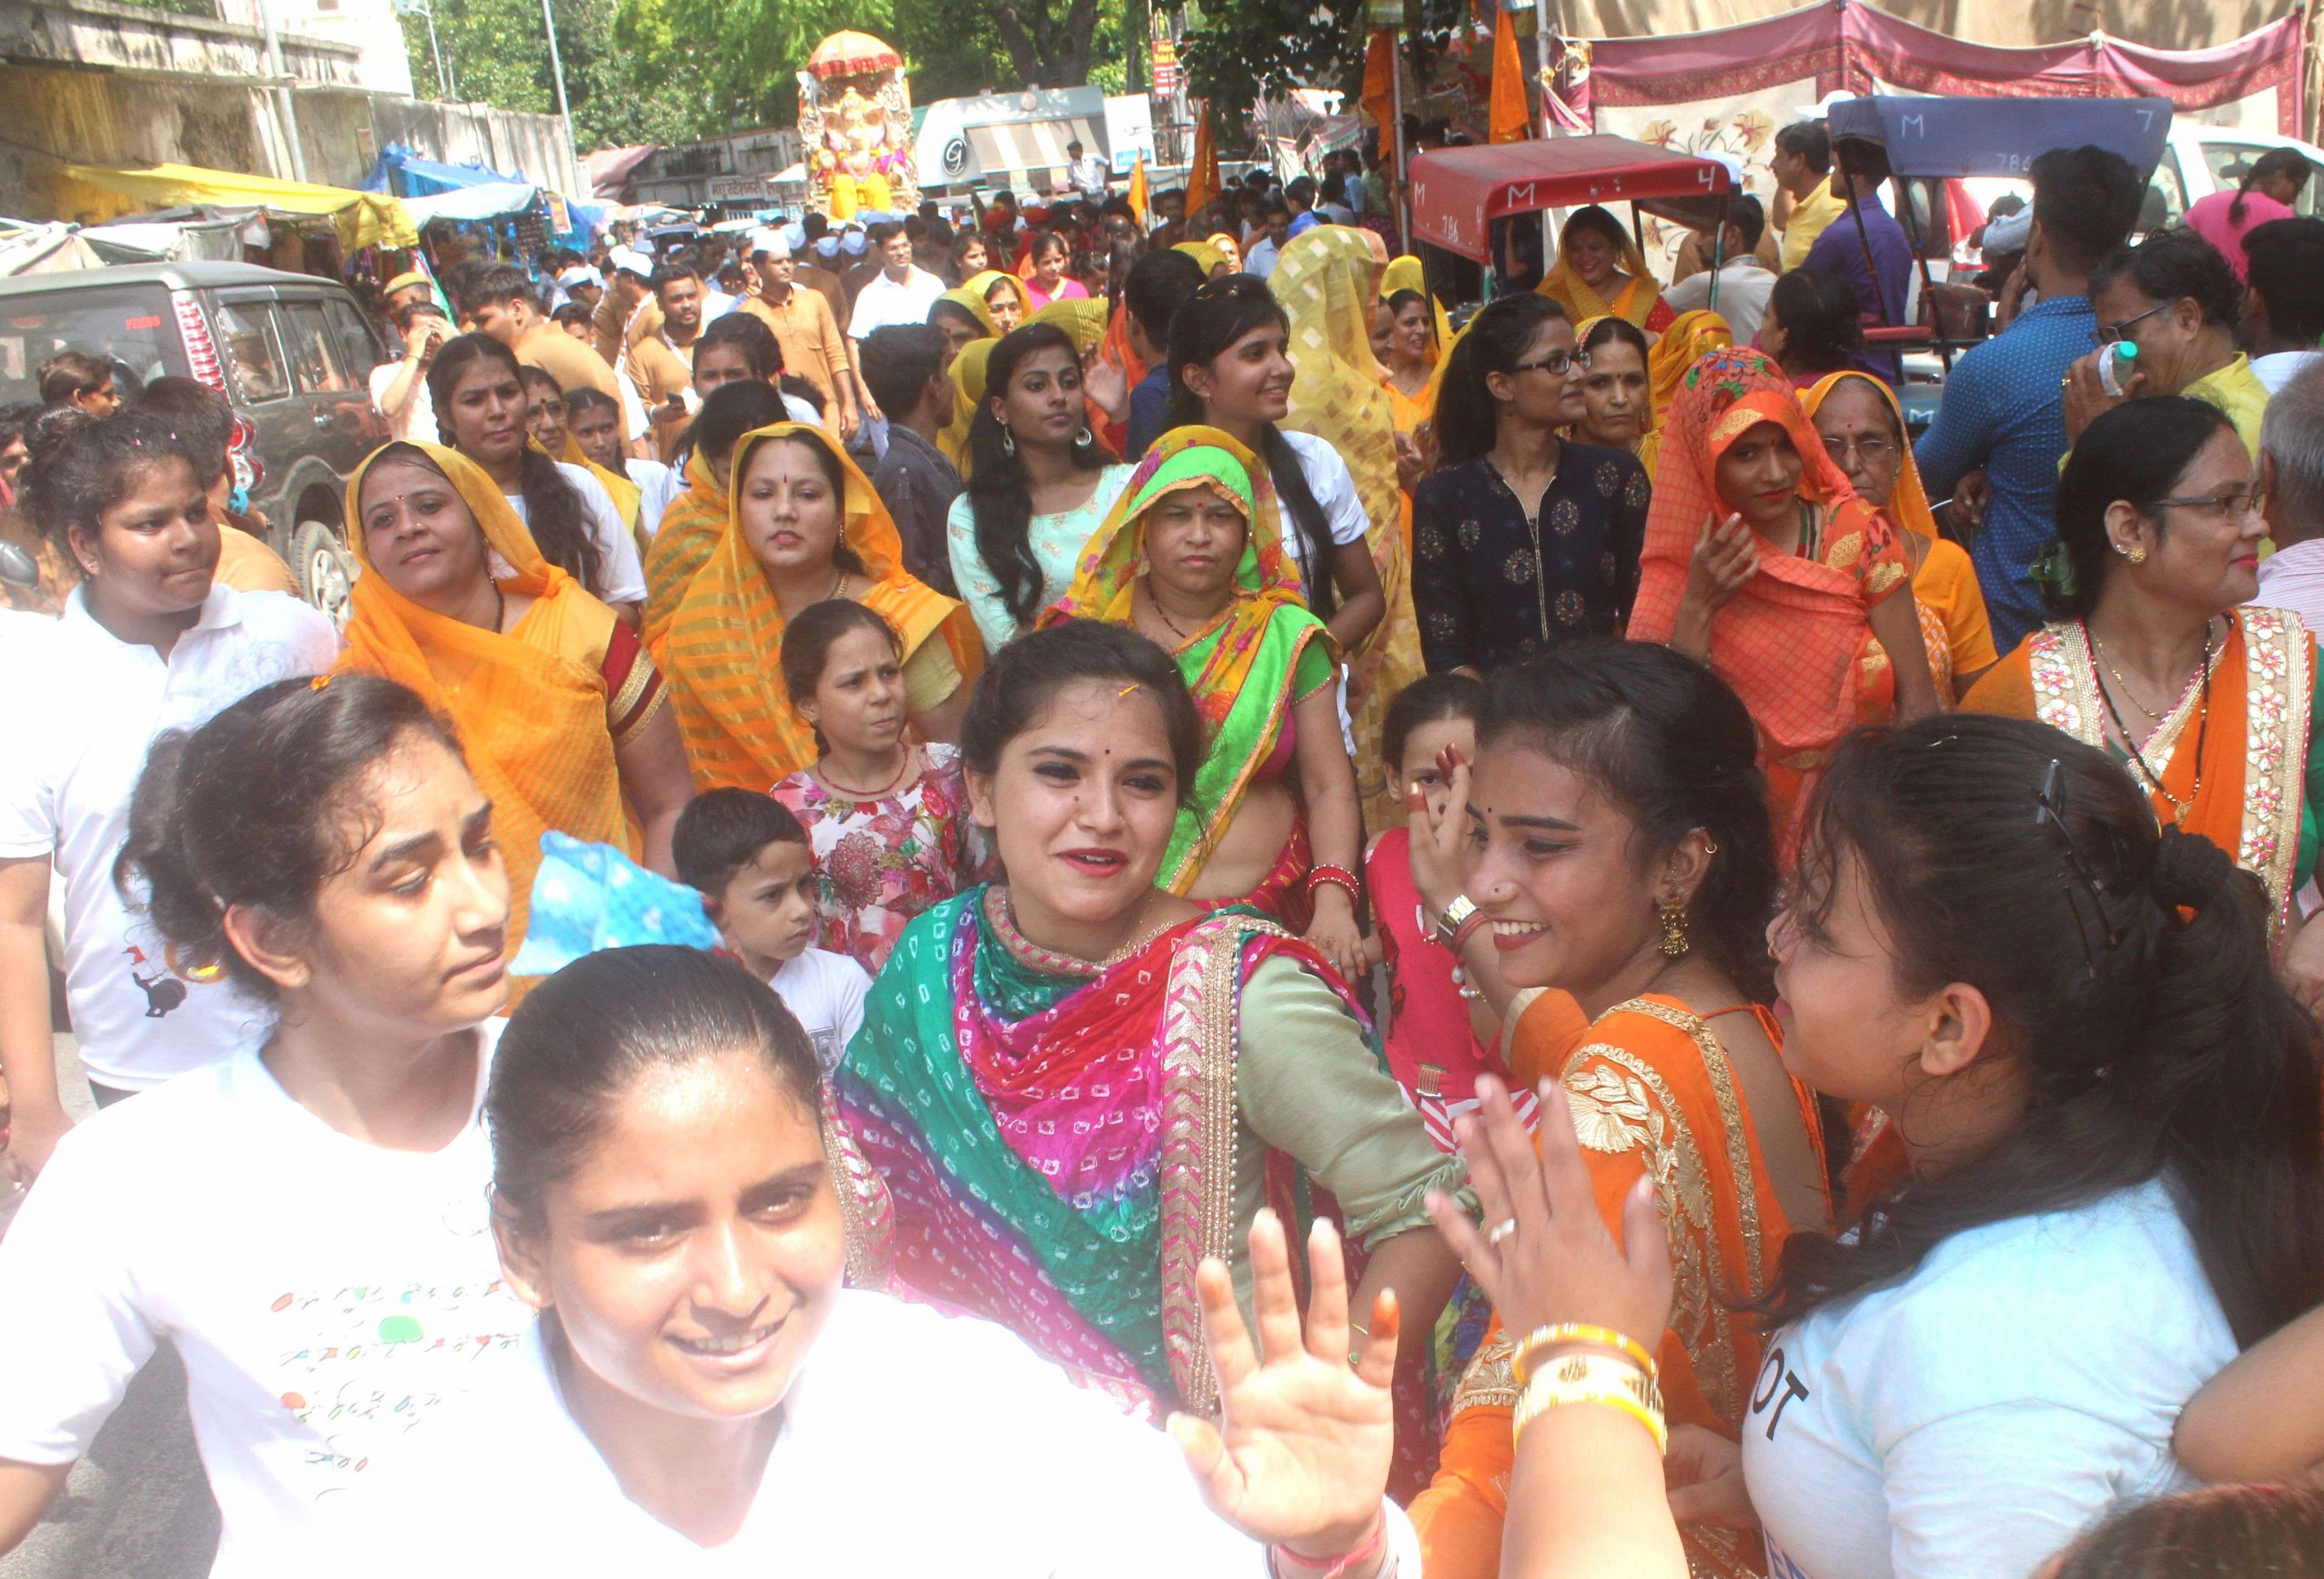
[(1594, 1378), (1576, 1332)]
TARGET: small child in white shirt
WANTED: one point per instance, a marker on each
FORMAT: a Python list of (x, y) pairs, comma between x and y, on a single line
[(748, 858)]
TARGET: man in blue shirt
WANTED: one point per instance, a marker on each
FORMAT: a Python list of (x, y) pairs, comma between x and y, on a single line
[(1155, 288), (2003, 414), (1841, 250)]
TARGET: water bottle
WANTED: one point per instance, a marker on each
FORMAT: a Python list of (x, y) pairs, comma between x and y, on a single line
[(2115, 366)]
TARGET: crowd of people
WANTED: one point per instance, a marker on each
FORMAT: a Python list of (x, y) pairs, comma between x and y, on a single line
[(1751, 970)]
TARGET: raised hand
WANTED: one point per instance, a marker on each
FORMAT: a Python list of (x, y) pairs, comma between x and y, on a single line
[(1554, 1262), (1439, 839), (1300, 1456)]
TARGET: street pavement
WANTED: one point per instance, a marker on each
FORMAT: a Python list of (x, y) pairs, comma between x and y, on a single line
[(137, 1506)]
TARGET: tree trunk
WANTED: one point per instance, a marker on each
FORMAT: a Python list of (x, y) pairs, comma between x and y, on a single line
[(1047, 51)]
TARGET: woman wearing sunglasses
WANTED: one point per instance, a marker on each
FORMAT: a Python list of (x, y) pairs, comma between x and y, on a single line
[(1522, 541), (2166, 313), (2151, 653)]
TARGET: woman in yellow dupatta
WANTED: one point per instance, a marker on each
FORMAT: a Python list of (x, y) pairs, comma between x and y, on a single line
[(964, 316), (802, 524), (1599, 271), (2156, 654), (1192, 555), (1414, 411), (691, 524), (558, 708), (1691, 337), (1761, 561), (1325, 279), (967, 375), (1207, 257), (1863, 430)]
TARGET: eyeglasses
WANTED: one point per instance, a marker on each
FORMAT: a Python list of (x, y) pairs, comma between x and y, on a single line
[(1872, 452), (2106, 334), (1556, 363), (2235, 501)]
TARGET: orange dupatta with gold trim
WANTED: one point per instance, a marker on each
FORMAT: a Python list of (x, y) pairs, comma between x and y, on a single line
[(721, 654), (689, 529), (1653, 1094), (530, 706), (2243, 791)]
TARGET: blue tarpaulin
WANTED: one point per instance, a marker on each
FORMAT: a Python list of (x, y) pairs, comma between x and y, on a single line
[(405, 173)]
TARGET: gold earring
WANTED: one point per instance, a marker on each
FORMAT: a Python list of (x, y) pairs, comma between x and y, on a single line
[(1674, 919), (2136, 553)]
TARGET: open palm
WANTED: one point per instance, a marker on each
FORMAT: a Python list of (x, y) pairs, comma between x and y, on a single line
[(1300, 1456)]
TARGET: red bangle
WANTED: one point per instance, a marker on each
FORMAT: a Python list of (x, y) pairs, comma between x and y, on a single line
[(1291, 1565), (1476, 922), (1339, 877)]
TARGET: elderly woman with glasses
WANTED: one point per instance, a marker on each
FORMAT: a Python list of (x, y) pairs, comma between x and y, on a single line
[(2154, 654), (1522, 541)]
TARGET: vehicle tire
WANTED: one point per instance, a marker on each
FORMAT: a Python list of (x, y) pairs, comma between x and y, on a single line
[(326, 567)]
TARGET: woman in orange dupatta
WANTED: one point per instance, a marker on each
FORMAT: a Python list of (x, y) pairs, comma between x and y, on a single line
[(1671, 1064), (693, 522), (1599, 271), (1761, 560), (2156, 654), (1863, 430), (558, 706), (802, 524)]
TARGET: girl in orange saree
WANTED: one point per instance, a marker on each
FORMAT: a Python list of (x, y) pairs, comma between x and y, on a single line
[(1652, 920), (802, 524), (1761, 560), (2156, 655), (558, 708)]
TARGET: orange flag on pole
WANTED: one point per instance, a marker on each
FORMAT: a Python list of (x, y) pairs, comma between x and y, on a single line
[(1203, 182), (1511, 116), (1137, 189), (1379, 86)]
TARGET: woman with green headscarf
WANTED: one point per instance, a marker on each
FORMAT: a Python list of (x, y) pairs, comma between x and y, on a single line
[(1191, 557)]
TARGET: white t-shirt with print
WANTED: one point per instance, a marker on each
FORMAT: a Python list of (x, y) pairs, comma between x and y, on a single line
[(824, 993), (1978, 1416), (328, 1296), (617, 552), (1334, 487), (79, 710), (907, 1442)]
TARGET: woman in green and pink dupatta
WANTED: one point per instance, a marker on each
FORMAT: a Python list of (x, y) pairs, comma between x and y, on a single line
[(1069, 1086), (1191, 557)]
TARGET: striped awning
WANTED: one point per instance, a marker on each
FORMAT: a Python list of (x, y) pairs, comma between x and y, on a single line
[(1034, 150)]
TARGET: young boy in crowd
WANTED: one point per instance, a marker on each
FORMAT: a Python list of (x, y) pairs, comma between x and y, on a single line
[(748, 858)]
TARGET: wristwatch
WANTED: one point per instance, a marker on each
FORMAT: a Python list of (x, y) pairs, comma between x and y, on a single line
[(1448, 925)]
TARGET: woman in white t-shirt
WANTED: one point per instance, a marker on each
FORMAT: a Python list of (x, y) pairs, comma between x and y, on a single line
[(2099, 1170), (1231, 369), (148, 641), (700, 1395), (305, 1219), (478, 387)]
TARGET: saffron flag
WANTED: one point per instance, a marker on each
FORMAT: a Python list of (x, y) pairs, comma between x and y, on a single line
[(1379, 86), (1137, 189), (1511, 119), (1203, 182)]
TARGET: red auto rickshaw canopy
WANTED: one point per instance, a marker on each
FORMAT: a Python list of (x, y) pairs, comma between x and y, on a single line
[(1457, 192)]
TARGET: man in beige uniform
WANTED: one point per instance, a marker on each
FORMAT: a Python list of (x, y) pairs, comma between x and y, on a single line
[(627, 310), (502, 304), (813, 346), (661, 363)]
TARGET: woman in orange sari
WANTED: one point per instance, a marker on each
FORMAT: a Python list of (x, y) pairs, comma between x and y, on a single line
[(1761, 560), (691, 526), (1600, 270), (802, 524), (1652, 920), (2154, 654), (558, 706), (1863, 432)]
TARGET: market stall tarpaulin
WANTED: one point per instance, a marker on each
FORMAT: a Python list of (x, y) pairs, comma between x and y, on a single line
[(363, 218)]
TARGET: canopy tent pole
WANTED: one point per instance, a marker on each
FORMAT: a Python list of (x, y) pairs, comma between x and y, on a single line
[(1719, 248)]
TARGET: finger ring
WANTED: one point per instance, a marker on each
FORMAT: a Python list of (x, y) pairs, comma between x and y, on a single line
[(1501, 1230)]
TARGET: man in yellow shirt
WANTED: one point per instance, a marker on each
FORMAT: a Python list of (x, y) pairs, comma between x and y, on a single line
[(1803, 170), (505, 307), (813, 346)]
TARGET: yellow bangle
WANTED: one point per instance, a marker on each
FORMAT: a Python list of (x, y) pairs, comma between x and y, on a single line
[(1575, 1331), (1594, 1378)]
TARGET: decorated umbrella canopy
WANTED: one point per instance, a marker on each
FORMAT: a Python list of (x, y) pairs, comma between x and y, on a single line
[(853, 54)]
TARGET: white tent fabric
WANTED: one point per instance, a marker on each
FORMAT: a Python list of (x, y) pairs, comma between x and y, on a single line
[(488, 201)]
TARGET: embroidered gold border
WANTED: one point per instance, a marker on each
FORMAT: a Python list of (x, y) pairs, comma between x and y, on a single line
[(2278, 688), (641, 674)]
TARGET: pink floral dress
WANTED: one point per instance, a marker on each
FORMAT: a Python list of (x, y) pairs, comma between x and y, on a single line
[(885, 861)]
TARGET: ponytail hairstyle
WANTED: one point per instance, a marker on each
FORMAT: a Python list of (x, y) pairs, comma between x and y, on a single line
[(1000, 493), (2276, 162), (1497, 339), (1216, 316), (1610, 328), (808, 641), (1822, 321), (554, 511), (2135, 453), (576, 1049), (261, 807), (2004, 854), (1662, 738)]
